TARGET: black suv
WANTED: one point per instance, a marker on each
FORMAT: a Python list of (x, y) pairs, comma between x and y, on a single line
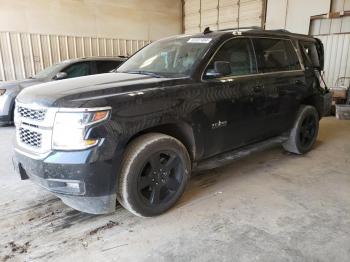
[(184, 103)]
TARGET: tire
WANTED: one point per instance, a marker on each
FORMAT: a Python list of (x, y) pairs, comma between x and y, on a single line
[(304, 133), (154, 173)]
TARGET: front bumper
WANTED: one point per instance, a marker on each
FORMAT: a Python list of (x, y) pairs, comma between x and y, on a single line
[(80, 179)]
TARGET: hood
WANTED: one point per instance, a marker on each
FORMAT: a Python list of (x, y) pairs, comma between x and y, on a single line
[(77, 91), (19, 84)]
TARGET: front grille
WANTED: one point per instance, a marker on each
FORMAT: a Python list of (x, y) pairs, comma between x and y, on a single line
[(38, 115), (30, 138)]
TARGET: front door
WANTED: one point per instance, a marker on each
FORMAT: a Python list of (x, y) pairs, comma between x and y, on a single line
[(231, 103)]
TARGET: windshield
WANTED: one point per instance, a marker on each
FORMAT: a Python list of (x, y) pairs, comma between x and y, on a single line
[(167, 58), (49, 71)]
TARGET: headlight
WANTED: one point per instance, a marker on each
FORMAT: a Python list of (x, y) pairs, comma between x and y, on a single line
[(2, 91), (70, 129)]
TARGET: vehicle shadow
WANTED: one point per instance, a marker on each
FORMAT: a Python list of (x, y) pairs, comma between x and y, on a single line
[(203, 184)]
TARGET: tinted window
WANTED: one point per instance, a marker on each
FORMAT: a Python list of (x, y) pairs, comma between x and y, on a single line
[(275, 55), (238, 52), (310, 51), (106, 66), (79, 69)]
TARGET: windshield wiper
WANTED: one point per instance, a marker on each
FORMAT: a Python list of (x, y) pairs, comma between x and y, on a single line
[(143, 73)]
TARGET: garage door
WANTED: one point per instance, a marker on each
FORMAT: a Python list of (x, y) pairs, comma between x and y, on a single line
[(335, 35), (23, 55), (220, 14)]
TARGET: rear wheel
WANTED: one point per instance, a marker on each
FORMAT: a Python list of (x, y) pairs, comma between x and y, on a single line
[(155, 171), (304, 133)]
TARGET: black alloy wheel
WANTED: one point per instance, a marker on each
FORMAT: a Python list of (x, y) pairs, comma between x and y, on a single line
[(160, 178), (307, 131)]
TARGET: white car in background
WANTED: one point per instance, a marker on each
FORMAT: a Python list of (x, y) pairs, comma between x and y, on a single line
[(63, 70)]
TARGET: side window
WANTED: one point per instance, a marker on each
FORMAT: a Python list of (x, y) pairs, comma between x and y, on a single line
[(310, 53), (240, 56), (107, 66), (78, 69), (275, 55)]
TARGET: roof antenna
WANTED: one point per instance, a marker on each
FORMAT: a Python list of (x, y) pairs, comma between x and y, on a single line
[(207, 30)]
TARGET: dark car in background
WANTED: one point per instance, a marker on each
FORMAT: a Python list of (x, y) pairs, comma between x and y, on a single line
[(63, 70), (184, 103)]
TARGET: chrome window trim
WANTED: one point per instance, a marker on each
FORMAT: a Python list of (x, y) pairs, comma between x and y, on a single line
[(226, 78), (256, 74)]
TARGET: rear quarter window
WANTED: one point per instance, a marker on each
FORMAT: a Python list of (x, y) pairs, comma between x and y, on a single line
[(275, 55), (310, 53)]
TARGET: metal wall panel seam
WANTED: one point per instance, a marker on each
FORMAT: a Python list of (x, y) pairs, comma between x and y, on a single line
[(75, 47), (2, 71), (344, 59), (83, 45), (90, 40), (49, 47), (31, 53), (11, 55), (67, 47), (21, 54), (41, 53), (112, 47), (98, 46), (58, 48)]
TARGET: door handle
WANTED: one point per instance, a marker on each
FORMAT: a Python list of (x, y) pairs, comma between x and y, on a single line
[(258, 88)]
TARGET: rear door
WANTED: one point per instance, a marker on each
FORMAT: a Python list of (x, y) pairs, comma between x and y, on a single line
[(283, 80)]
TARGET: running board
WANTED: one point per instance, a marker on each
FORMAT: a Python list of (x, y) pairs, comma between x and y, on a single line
[(227, 157)]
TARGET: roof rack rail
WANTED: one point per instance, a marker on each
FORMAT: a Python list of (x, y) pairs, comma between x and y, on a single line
[(281, 30), (207, 29), (241, 28)]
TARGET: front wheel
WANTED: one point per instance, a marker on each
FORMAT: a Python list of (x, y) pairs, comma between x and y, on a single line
[(304, 133), (155, 171)]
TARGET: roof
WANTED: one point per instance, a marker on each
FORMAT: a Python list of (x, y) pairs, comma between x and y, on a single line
[(96, 58), (252, 31)]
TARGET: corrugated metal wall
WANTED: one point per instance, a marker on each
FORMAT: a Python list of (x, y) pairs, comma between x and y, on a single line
[(220, 14), (23, 55), (335, 35)]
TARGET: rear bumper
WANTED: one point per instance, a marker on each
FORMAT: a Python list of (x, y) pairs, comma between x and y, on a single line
[(79, 178)]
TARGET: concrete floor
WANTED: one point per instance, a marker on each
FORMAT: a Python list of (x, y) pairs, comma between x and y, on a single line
[(271, 206)]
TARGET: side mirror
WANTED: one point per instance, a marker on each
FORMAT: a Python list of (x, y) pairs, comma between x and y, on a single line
[(221, 68), (60, 75)]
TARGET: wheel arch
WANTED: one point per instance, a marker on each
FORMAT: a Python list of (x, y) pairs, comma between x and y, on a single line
[(315, 101), (181, 131)]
